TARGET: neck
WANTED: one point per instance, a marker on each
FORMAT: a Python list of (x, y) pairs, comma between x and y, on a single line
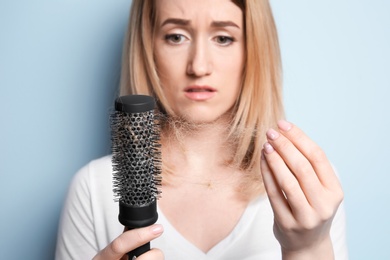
[(197, 150)]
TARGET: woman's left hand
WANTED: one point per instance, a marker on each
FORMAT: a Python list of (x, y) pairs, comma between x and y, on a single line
[(303, 190)]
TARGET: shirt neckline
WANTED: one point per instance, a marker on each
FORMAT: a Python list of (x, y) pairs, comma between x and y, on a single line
[(243, 223)]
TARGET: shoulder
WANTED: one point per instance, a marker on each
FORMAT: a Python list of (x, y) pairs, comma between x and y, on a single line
[(91, 196), (95, 170), (91, 179), (88, 221), (100, 166)]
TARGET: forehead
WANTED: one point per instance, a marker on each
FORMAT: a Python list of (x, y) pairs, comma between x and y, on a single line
[(192, 9)]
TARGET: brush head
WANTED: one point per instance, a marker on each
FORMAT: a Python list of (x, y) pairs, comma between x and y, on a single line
[(136, 156)]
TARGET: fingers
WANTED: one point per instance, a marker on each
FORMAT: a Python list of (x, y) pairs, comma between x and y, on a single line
[(294, 170), (153, 254), (130, 240), (278, 201), (287, 183), (301, 170), (314, 154)]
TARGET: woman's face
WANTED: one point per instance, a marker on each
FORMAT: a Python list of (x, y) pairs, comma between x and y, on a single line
[(199, 49)]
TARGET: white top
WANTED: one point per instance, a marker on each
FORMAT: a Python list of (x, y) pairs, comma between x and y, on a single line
[(89, 223)]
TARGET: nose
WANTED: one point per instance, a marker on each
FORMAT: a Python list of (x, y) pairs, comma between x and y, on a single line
[(199, 62)]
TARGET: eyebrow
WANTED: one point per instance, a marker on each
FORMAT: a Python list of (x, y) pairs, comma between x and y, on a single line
[(183, 22), (224, 24), (176, 21)]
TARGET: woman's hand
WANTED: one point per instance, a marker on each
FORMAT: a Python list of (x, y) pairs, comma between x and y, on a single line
[(303, 190), (130, 240)]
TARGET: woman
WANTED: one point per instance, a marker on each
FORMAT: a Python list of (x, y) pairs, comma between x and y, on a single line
[(237, 182)]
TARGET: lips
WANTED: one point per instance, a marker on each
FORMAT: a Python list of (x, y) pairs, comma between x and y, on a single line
[(199, 89), (199, 93)]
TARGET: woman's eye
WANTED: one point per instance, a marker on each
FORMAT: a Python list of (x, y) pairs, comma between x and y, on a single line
[(175, 38), (224, 40)]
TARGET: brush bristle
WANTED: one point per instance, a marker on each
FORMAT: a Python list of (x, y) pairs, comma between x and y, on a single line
[(136, 157)]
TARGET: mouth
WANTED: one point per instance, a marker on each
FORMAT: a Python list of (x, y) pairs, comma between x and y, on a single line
[(200, 93), (192, 89)]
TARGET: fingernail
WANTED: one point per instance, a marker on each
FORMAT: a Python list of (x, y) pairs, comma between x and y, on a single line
[(262, 155), (268, 148), (284, 125), (157, 229), (272, 134)]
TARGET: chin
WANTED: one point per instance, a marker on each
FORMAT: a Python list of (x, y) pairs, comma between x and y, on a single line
[(203, 115), (203, 118)]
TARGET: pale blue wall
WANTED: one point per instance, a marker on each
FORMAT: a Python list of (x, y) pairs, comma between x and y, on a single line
[(59, 70), (59, 66)]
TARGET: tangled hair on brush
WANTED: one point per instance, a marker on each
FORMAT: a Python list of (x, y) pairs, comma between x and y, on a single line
[(259, 105)]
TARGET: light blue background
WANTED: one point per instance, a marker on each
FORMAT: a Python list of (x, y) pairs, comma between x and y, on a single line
[(59, 69)]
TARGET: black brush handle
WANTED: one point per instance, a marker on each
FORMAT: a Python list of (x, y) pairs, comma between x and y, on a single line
[(136, 217)]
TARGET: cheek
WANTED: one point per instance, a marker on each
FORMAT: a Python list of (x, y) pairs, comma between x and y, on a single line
[(234, 74), (160, 62), (168, 67), (234, 63), (233, 80)]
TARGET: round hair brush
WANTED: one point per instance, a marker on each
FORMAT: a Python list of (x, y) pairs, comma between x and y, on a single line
[(136, 161)]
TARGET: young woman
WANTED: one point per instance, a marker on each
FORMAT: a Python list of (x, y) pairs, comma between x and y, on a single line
[(238, 182)]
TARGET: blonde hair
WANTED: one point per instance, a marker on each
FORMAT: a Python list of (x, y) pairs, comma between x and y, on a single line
[(260, 102)]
